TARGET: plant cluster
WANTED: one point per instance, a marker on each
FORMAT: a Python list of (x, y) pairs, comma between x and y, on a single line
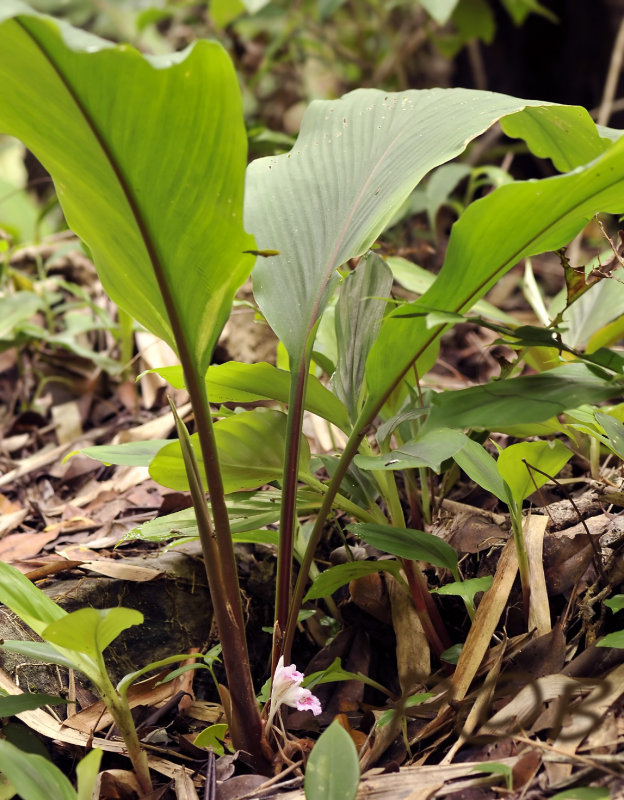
[(149, 159)]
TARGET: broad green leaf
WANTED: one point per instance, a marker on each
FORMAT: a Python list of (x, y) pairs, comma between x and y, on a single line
[(212, 736), (418, 280), (408, 543), (614, 431), (251, 451), (133, 454), (440, 10), (515, 221), (475, 19), (30, 604), (16, 309), (615, 603), (441, 186), (327, 582), (14, 704), (236, 382), (479, 465), (429, 449), (565, 134), (355, 161), (148, 157), (91, 630), (333, 769), (466, 589), (87, 772), (358, 315), (612, 640), (33, 776), (549, 457), (531, 398)]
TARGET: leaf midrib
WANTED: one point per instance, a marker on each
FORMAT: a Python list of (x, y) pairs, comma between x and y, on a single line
[(141, 225)]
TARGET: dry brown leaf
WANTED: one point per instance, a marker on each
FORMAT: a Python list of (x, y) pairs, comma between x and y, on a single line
[(9, 522), (149, 692), (585, 718), (184, 786), (412, 647), (18, 546), (539, 608), (376, 784), (204, 711), (9, 506), (486, 619), (115, 568), (67, 421), (117, 784)]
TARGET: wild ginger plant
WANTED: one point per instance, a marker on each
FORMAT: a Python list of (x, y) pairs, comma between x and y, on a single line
[(148, 157)]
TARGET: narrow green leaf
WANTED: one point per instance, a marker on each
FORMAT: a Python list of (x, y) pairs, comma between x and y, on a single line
[(132, 454), (408, 543), (583, 793), (91, 630), (148, 157), (39, 651), (34, 777), (87, 772), (333, 769), (429, 449), (479, 465), (531, 398), (328, 581), (13, 704), (494, 768), (251, 450), (27, 601), (549, 457), (614, 430), (358, 315)]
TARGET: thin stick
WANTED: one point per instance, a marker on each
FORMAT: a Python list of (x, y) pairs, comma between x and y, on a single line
[(613, 74)]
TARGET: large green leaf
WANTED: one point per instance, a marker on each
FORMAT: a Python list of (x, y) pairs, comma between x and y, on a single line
[(251, 451), (91, 630), (333, 769), (530, 398), (148, 157), (565, 134), (354, 163), (429, 449), (514, 462), (33, 776), (236, 382), (493, 234), (408, 543)]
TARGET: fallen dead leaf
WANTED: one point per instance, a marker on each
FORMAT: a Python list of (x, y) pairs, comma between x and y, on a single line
[(18, 546)]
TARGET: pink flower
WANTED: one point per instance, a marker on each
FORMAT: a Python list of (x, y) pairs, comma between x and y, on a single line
[(286, 689)]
